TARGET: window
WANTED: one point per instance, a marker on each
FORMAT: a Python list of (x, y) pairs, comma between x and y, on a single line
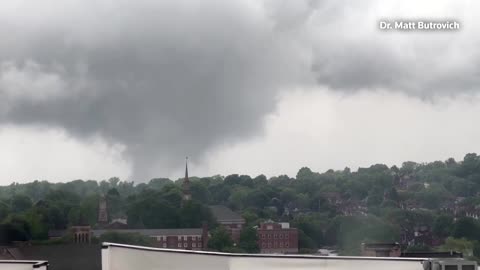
[(281, 244), (263, 236), (286, 236), (269, 236), (286, 244), (281, 235), (194, 245), (179, 238), (275, 236), (264, 245), (164, 245), (179, 245), (185, 244), (199, 245), (194, 238)]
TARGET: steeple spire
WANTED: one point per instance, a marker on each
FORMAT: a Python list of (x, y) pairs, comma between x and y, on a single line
[(102, 210), (187, 196), (186, 169)]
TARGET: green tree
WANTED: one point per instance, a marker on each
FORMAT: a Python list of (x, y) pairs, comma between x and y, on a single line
[(21, 203), (305, 243), (443, 226), (466, 228), (460, 245), (305, 174), (220, 239), (18, 228), (159, 183), (200, 191), (4, 210), (312, 227), (194, 214), (37, 224), (260, 180), (249, 240)]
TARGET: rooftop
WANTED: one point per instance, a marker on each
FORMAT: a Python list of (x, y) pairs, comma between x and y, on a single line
[(380, 245), (154, 232), (224, 214)]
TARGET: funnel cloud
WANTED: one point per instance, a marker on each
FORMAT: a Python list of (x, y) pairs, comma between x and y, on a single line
[(166, 79)]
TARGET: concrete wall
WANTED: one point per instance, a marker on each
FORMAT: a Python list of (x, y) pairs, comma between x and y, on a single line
[(124, 257)]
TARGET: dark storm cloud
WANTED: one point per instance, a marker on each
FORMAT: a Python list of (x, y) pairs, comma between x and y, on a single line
[(174, 78), (166, 80)]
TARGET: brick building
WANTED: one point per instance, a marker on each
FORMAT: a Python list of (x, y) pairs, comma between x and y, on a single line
[(190, 238), (81, 234), (277, 238), (232, 221)]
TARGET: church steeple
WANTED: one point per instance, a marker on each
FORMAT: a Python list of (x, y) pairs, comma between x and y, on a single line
[(187, 196), (102, 210)]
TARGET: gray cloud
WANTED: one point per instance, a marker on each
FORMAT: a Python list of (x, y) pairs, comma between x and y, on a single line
[(170, 78), (352, 53), (165, 80)]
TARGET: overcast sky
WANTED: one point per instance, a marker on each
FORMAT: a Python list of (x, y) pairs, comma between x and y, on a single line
[(91, 89)]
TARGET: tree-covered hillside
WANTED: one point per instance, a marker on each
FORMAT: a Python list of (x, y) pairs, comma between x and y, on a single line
[(419, 205)]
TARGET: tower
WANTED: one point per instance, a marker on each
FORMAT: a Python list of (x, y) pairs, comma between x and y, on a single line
[(187, 196), (102, 210)]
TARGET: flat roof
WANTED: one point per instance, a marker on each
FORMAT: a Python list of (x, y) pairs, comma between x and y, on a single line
[(153, 232), (107, 245)]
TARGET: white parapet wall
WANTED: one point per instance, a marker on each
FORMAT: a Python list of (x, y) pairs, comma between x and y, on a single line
[(23, 265), (127, 257)]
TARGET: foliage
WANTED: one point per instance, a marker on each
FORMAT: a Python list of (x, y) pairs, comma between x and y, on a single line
[(220, 240), (443, 226), (466, 228), (460, 245), (325, 207), (249, 240)]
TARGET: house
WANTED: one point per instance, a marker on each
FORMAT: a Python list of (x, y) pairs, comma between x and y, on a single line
[(277, 238), (353, 208), (118, 223), (423, 235), (232, 221)]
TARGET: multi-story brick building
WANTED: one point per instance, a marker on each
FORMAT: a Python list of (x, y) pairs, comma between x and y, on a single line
[(277, 238), (232, 221), (190, 238)]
